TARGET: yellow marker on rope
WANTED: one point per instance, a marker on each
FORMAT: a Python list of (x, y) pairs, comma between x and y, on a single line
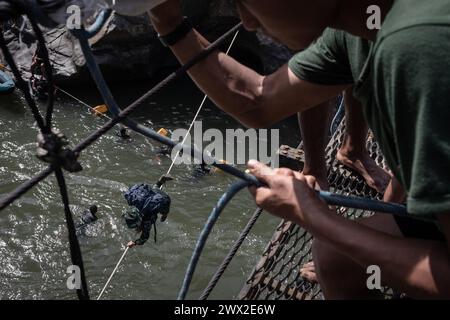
[(217, 170), (99, 110), (164, 132)]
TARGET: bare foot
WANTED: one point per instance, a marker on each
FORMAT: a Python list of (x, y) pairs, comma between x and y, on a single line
[(308, 272), (375, 176)]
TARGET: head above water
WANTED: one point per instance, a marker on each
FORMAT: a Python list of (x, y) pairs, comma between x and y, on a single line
[(93, 209)]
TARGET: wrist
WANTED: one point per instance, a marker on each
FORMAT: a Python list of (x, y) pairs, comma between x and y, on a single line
[(314, 216), (168, 25), (175, 36)]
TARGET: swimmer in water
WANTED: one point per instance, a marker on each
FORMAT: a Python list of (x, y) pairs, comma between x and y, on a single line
[(146, 202), (123, 133), (201, 170), (87, 217)]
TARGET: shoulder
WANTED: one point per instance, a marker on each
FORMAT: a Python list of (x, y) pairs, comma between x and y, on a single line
[(415, 26), (325, 61), (422, 48)]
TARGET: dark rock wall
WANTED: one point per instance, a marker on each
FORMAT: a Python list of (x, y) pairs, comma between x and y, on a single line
[(128, 48)]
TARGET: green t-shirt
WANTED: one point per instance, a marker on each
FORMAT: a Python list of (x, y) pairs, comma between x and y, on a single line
[(403, 82)]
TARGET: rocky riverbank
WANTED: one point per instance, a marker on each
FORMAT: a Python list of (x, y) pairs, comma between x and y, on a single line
[(128, 49)]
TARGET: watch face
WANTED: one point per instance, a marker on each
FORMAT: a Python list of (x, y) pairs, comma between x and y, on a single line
[(134, 7)]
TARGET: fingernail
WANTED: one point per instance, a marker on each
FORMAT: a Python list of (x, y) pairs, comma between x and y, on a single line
[(252, 163)]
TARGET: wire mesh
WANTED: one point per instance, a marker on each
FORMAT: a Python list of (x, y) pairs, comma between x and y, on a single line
[(276, 276)]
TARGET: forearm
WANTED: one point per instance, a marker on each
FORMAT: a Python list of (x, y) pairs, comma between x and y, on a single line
[(233, 87), (253, 99), (419, 268)]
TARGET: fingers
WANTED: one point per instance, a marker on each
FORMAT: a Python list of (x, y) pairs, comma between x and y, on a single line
[(311, 181), (261, 197), (284, 172), (260, 171), (266, 175)]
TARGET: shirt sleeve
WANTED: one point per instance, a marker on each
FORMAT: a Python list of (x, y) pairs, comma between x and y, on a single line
[(325, 62), (411, 77), (145, 234)]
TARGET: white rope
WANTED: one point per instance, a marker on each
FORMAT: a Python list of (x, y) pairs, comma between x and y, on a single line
[(82, 102), (197, 114), (170, 168), (112, 274)]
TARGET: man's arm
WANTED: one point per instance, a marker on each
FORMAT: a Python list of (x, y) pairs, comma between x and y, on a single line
[(253, 99), (419, 268)]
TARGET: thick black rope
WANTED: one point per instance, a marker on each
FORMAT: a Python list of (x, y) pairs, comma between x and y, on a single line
[(42, 48), (231, 254), (45, 128), (25, 187), (20, 82), (75, 251), (173, 76)]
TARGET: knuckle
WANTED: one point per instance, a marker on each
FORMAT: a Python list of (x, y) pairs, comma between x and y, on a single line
[(284, 172)]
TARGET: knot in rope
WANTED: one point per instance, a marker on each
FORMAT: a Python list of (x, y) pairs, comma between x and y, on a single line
[(52, 149)]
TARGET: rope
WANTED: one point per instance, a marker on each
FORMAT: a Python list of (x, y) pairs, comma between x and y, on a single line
[(48, 72), (226, 262), (75, 251), (82, 102), (198, 112), (14, 195), (112, 274), (173, 161), (121, 116), (25, 187), (57, 162), (21, 83), (206, 231)]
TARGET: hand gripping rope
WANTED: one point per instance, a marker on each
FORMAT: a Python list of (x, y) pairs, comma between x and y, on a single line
[(61, 155)]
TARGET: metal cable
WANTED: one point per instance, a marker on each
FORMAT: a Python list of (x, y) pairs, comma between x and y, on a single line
[(206, 231), (231, 254), (22, 189), (198, 112), (45, 128)]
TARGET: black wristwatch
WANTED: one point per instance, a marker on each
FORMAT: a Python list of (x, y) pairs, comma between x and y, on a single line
[(177, 34)]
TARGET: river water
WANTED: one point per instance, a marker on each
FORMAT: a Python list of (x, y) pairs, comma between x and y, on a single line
[(34, 252)]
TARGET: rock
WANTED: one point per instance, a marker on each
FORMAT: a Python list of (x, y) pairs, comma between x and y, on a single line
[(128, 47)]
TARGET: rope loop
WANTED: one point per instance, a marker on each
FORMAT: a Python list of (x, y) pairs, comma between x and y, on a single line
[(52, 149)]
